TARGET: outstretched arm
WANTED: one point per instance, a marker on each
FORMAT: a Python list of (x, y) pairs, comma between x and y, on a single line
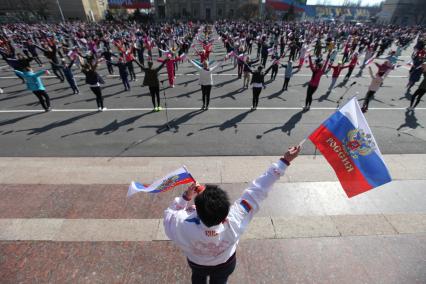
[(195, 64), (243, 210)]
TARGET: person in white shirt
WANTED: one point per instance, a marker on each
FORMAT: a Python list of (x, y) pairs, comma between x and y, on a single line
[(206, 81), (376, 82), (209, 231)]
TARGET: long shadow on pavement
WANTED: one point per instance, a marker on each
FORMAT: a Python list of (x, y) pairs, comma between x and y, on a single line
[(233, 122), (111, 127), (53, 125), (14, 120), (227, 82), (175, 122), (287, 127), (231, 94)]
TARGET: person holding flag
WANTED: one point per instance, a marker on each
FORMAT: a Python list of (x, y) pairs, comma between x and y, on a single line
[(208, 233)]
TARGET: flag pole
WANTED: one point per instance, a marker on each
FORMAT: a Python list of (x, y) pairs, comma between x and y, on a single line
[(341, 98)]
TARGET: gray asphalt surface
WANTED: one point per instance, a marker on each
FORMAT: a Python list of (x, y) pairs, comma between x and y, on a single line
[(129, 128)]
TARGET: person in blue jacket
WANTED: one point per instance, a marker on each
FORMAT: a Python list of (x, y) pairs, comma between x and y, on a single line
[(34, 84)]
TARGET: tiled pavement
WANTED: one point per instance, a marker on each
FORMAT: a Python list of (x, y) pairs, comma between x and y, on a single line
[(306, 232)]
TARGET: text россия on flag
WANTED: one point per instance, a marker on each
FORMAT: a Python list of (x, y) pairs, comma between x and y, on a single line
[(346, 141)]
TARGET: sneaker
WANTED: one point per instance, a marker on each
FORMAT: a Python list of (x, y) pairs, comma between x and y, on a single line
[(1, 91), (206, 108), (104, 109), (99, 109), (173, 86), (156, 109), (159, 108), (203, 107)]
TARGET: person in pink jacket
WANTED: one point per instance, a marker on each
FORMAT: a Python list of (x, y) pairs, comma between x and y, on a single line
[(317, 71), (170, 65)]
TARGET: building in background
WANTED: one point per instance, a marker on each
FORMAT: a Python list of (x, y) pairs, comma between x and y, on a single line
[(340, 13), (208, 10), (35, 10), (403, 12)]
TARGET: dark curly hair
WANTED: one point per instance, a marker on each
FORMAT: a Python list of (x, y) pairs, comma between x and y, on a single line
[(212, 205)]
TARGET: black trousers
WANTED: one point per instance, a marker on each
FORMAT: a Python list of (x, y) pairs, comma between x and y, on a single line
[(141, 57), (240, 69), (205, 90), (98, 93), (417, 94), (274, 71), (285, 85), (131, 70), (264, 59), (311, 90), (110, 68), (367, 99), (43, 97), (125, 80), (58, 73), (155, 94), (256, 94), (219, 274), (73, 85), (349, 72)]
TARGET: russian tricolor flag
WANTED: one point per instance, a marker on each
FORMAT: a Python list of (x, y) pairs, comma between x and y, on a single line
[(346, 141), (173, 179)]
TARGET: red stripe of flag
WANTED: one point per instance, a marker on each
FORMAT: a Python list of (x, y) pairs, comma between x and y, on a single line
[(351, 178)]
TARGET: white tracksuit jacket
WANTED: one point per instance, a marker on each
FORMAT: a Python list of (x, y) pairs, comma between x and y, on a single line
[(211, 246)]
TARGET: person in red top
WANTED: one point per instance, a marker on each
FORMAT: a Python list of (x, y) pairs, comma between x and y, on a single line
[(317, 71), (170, 65), (346, 52), (128, 55), (202, 54), (336, 73), (352, 64)]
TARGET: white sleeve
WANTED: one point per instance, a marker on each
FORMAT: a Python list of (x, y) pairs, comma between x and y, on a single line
[(195, 64), (170, 214), (243, 210)]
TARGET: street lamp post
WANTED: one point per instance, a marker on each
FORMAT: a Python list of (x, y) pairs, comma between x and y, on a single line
[(60, 10)]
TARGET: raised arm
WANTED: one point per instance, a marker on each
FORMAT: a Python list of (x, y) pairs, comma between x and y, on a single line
[(243, 210), (161, 66), (310, 63), (195, 64), (371, 72)]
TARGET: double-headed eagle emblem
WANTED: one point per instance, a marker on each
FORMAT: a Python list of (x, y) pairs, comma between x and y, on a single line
[(358, 143)]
